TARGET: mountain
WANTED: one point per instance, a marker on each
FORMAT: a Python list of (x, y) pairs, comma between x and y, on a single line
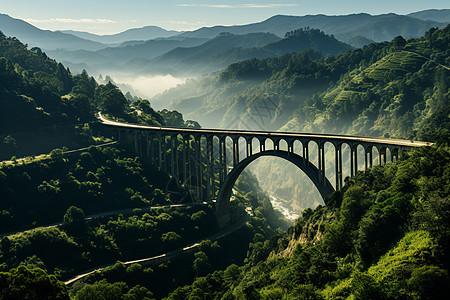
[(184, 57), (300, 39), (377, 28), (437, 15), (44, 39), (229, 48), (138, 34), (114, 58)]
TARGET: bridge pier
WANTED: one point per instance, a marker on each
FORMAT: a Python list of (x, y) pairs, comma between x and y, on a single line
[(321, 156), (338, 164), (382, 156), (306, 152)]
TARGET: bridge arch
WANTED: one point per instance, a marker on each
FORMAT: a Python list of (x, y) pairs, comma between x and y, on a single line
[(223, 199)]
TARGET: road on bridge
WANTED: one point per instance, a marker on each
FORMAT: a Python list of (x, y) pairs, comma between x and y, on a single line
[(267, 134)]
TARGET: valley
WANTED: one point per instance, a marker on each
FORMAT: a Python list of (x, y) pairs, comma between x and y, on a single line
[(297, 157)]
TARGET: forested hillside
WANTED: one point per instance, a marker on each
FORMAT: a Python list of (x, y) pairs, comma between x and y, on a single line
[(227, 48), (66, 212), (45, 106)]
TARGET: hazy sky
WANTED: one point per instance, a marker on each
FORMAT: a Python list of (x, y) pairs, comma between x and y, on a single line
[(111, 16)]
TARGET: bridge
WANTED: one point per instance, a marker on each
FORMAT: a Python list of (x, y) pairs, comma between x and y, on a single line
[(198, 158)]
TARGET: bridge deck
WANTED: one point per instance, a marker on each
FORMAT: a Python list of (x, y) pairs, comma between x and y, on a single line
[(268, 134)]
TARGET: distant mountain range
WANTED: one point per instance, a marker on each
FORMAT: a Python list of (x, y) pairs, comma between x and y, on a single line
[(377, 28), (111, 58), (437, 15), (44, 39), (135, 34), (152, 48)]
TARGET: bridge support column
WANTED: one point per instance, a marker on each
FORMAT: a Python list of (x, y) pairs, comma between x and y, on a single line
[(394, 154), (306, 152), (211, 174), (291, 146), (224, 153), (368, 157), (235, 151), (189, 162), (147, 147), (164, 149), (136, 142), (276, 145), (338, 163), (249, 147), (220, 161), (151, 147), (172, 156), (177, 157), (382, 156), (353, 160), (262, 145), (160, 152), (321, 156), (184, 158), (200, 167)]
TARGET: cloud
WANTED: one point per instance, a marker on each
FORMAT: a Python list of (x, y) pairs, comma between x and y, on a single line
[(249, 5), (72, 21), (186, 23)]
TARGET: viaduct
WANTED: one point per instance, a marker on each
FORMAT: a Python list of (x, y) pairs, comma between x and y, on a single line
[(209, 161)]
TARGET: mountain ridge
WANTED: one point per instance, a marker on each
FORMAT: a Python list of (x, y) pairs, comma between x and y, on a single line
[(44, 39), (133, 34)]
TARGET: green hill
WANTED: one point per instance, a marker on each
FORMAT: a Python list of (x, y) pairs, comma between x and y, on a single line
[(384, 236), (45, 106)]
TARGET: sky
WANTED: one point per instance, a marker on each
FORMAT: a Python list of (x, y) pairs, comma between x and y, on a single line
[(113, 16)]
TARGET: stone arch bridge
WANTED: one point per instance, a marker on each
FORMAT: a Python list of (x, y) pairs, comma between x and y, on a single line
[(209, 161)]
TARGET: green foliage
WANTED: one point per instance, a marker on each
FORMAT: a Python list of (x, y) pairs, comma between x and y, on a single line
[(113, 101), (74, 221), (118, 290), (388, 239), (24, 283), (92, 180)]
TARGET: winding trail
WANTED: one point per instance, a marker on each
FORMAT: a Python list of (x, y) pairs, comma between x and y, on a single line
[(168, 255), (125, 211)]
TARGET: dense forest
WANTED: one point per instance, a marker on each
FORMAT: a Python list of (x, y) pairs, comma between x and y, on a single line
[(44, 106), (103, 203), (383, 236)]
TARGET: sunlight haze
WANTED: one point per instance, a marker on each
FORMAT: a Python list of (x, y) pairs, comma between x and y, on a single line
[(108, 17)]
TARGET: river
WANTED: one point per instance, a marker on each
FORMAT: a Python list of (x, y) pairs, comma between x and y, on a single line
[(284, 208)]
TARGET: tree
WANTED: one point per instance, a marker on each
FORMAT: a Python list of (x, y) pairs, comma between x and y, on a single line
[(201, 264), (113, 101), (399, 42), (170, 237), (24, 283), (74, 220)]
